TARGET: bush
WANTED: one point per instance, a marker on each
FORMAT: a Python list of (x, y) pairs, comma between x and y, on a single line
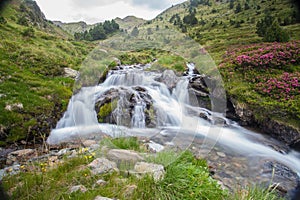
[(22, 21), (275, 33), (2, 20), (28, 32)]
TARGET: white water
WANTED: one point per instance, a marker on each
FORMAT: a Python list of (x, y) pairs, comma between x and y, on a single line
[(173, 113)]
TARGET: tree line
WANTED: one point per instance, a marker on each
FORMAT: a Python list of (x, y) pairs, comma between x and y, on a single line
[(100, 32)]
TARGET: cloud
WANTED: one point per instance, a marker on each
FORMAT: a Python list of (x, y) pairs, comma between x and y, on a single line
[(93, 3), (152, 4)]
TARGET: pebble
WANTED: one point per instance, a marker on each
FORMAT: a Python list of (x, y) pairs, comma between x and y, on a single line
[(221, 154), (102, 198), (76, 188)]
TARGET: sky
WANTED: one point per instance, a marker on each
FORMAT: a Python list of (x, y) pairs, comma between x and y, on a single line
[(93, 11)]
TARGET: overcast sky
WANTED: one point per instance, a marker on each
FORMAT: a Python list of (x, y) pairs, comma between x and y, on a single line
[(92, 11)]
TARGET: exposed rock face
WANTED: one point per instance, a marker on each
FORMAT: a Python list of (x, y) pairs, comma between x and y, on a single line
[(246, 117), (281, 131), (33, 14), (116, 106)]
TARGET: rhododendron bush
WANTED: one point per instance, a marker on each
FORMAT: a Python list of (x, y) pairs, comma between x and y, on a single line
[(272, 68)]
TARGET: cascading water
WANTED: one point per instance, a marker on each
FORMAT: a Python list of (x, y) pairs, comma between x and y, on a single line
[(173, 116)]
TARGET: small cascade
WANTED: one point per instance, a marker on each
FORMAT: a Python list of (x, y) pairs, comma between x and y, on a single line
[(138, 117), (191, 67)]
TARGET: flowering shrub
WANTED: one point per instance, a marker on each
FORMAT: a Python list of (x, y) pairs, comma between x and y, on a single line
[(283, 88), (268, 55)]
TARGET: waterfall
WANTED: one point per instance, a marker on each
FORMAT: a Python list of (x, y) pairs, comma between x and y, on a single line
[(174, 115)]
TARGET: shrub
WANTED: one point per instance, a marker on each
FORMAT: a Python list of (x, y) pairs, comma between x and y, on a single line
[(28, 32), (2, 20), (275, 33)]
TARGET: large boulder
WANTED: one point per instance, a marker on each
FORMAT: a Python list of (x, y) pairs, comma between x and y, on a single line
[(116, 106)]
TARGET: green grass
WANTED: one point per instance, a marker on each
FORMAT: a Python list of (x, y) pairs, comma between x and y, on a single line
[(31, 69), (185, 178)]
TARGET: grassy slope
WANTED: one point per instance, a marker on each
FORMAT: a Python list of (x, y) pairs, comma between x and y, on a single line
[(223, 36), (31, 71)]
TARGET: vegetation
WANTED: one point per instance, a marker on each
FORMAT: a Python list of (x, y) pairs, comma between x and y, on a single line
[(186, 178), (99, 32), (33, 91), (268, 76)]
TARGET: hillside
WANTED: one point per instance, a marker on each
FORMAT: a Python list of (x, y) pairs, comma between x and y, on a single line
[(227, 30), (130, 22), (219, 28), (33, 91), (74, 27)]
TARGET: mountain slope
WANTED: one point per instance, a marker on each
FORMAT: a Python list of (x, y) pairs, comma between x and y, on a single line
[(76, 27), (33, 89), (130, 22), (227, 30)]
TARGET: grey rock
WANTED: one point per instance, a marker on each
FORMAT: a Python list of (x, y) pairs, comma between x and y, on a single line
[(124, 156), (155, 170), (102, 198), (20, 156), (101, 182), (155, 147), (221, 154), (88, 143), (71, 73), (63, 152), (76, 188), (12, 170), (129, 191), (102, 165)]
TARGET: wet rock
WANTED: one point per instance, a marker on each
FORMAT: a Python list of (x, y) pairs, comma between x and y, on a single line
[(76, 188), (102, 198), (169, 78), (20, 156), (116, 106), (198, 84), (155, 170), (102, 165), (281, 131), (124, 156)]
